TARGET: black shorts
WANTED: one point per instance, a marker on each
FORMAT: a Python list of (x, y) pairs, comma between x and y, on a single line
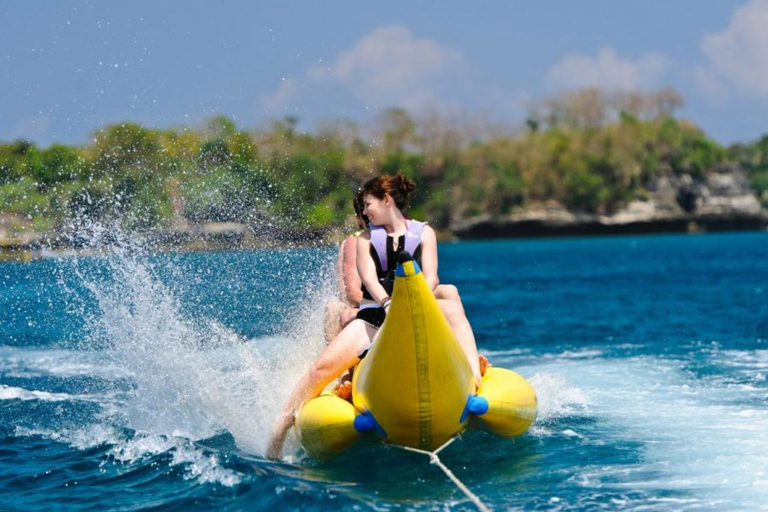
[(372, 316)]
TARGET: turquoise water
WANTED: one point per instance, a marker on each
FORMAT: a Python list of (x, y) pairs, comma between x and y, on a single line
[(132, 382)]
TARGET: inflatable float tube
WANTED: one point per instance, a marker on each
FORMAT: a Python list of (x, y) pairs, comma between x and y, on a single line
[(415, 387)]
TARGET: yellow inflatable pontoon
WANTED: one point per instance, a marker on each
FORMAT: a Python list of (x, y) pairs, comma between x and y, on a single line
[(415, 387)]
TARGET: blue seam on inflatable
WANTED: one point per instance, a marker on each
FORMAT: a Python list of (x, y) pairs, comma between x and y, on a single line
[(476, 405), (399, 272)]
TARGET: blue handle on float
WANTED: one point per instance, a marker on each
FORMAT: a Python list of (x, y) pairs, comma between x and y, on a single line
[(476, 405), (366, 422), (406, 256)]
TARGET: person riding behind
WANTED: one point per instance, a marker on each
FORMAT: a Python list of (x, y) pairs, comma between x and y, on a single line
[(338, 313)]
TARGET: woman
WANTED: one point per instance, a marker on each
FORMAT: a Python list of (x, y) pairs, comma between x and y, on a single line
[(339, 313), (384, 199)]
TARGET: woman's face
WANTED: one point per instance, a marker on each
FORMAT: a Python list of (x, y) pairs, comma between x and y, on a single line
[(375, 209)]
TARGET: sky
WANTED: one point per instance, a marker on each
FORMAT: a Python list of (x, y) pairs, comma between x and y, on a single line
[(68, 68)]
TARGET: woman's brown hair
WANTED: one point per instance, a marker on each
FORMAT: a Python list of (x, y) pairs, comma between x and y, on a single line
[(357, 204), (400, 188)]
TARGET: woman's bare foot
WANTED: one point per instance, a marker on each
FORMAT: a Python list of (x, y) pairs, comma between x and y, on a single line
[(344, 390), (484, 363)]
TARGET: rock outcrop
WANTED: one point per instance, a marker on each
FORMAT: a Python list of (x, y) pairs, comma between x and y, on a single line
[(672, 204), (721, 201)]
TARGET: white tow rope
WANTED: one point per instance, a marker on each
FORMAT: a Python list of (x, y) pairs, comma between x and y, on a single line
[(434, 459)]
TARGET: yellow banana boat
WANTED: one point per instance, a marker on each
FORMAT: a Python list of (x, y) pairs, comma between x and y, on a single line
[(415, 386)]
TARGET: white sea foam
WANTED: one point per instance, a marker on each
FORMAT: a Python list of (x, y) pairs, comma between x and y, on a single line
[(203, 467), (753, 359), (81, 438), (30, 363), (575, 354), (696, 435), (15, 393), (556, 397), (199, 465), (142, 446), (512, 352)]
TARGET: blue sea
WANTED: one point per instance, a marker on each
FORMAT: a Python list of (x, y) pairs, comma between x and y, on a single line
[(132, 380)]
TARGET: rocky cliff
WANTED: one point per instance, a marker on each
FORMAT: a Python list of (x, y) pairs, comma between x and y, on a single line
[(675, 203), (672, 204)]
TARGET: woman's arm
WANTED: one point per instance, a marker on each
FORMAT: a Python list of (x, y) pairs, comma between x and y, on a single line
[(367, 268), (340, 269), (350, 277), (429, 257)]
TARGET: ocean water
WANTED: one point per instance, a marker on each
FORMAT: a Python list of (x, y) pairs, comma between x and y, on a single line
[(132, 381)]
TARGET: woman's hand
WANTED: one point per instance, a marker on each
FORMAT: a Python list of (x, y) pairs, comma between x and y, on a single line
[(279, 431)]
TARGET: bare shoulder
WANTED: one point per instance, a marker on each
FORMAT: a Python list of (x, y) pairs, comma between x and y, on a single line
[(428, 233), (363, 242)]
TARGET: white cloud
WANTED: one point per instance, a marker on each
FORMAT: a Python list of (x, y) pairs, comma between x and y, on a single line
[(710, 85), (608, 71), (738, 55), (393, 67), (281, 99), (390, 66)]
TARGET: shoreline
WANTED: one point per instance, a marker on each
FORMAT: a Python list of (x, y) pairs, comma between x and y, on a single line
[(237, 237), (595, 226)]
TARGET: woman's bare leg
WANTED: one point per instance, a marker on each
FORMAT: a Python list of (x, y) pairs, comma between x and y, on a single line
[(331, 324), (454, 313), (340, 354), (337, 316), (347, 315), (447, 292)]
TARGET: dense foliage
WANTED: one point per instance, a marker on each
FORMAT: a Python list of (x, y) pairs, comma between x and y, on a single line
[(585, 150)]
